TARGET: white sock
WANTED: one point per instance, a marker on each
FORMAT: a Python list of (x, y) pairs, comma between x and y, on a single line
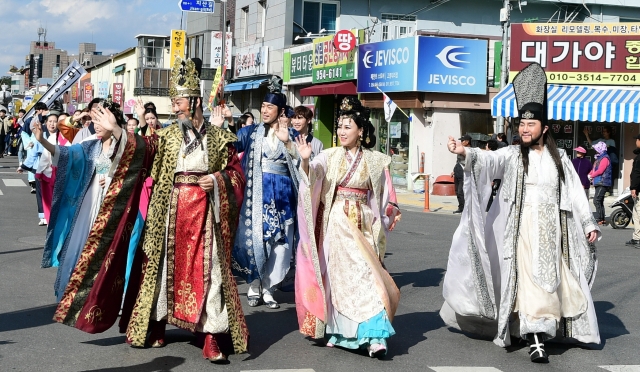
[(254, 288)]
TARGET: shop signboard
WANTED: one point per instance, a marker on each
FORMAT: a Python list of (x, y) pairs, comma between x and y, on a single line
[(330, 64), (581, 54), (118, 94), (88, 92), (178, 40), (298, 64), (452, 65), (103, 89), (251, 61), (388, 65), (216, 49)]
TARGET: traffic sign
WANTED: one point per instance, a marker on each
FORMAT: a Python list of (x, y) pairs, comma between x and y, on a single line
[(344, 41), (201, 6)]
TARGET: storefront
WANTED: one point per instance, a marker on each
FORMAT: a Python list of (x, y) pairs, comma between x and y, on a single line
[(250, 77), (438, 98), (591, 71)]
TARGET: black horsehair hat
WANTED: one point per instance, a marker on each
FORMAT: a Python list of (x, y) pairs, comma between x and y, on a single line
[(530, 87)]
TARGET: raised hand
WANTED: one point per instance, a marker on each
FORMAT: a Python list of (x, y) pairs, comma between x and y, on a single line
[(140, 109), (455, 146), (37, 131), (104, 118), (282, 132), (304, 148), (217, 117)]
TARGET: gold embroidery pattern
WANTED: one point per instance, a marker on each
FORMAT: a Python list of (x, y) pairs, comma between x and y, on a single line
[(94, 315), (188, 304), (118, 284), (183, 178)]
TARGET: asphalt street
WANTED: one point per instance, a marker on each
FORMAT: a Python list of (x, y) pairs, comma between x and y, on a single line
[(417, 257)]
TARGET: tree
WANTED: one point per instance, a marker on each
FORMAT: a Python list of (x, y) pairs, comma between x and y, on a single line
[(5, 80)]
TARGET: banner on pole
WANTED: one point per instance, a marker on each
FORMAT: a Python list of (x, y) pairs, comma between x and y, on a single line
[(69, 77), (178, 40), (215, 88)]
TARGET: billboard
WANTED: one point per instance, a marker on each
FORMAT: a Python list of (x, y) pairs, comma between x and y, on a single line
[(251, 61), (452, 65), (584, 53), (329, 64), (216, 49), (388, 65), (298, 64)]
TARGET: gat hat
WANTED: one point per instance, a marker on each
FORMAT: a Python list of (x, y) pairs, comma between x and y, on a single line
[(288, 112), (275, 95), (466, 137), (580, 149), (185, 78), (530, 88)]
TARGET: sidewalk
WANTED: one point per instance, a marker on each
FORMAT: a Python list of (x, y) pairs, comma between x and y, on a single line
[(448, 204)]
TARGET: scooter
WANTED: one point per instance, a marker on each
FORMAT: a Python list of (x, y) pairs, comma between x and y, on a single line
[(621, 217)]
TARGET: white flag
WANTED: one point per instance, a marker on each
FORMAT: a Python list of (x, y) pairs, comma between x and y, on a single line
[(389, 107)]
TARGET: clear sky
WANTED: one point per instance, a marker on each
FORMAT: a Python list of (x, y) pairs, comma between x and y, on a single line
[(111, 24)]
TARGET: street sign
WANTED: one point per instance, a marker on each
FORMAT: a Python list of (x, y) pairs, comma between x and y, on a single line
[(201, 6)]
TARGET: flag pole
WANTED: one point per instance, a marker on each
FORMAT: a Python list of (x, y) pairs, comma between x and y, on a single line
[(398, 107)]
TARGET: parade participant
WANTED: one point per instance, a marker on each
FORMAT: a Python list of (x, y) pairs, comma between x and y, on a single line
[(30, 164), (185, 253), (266, 235), (527, 265), (148, 118), (72, 126), (301, 122), (97, 183), (132, 125), (347, 205), (46, 172)]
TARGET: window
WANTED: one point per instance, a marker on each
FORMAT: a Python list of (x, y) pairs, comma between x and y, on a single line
[(245, 23), (317, 15), (403, 31), (262, 17), (385, 32), (397, 17)]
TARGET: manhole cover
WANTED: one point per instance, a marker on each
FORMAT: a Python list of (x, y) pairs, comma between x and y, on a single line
[(32, 240)]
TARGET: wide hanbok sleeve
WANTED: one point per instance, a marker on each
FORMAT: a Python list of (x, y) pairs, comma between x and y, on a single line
[(310, 294)]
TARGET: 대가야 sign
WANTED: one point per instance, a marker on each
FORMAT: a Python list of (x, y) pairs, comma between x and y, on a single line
[(585, 54)]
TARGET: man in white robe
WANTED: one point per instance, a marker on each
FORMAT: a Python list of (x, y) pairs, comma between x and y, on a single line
[(525, 267)]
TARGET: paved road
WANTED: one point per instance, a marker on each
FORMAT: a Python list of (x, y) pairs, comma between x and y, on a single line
[(30, 341)]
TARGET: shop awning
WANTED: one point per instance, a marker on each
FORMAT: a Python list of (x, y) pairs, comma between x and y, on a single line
[(347, 88), (573, 102), (244, 85)]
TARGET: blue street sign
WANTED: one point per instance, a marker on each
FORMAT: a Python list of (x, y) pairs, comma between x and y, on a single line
[(202, 6)]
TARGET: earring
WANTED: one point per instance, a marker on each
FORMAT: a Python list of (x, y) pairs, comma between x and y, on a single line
[(368, 140)]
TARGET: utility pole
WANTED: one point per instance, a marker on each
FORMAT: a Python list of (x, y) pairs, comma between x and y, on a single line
[(223, 61), (505, 15)]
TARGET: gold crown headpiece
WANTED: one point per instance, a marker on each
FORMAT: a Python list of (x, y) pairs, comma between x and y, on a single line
[(185, 80)]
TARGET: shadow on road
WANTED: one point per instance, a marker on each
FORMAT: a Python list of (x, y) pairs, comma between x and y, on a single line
[(610, 325), (165, 363), (22, 250), (269, 327), (421, 279), (28, 318), (410, 330)]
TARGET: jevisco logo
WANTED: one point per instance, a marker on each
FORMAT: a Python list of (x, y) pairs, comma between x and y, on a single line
[(450, 56), (386, 57)]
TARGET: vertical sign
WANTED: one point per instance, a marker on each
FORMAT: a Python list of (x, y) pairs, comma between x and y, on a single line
[(178, 39), (216, 49), (88, 92), (118, 94)]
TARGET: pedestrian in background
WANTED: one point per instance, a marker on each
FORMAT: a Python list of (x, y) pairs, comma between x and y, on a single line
[(634, 185), (5, 125), (458, 175), (601, 176), (583, 167)]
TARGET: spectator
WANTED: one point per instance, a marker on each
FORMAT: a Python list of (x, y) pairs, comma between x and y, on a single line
[(502, 140), (583, 167), (612, 150), (458, 174), (601, 177), (132, 125), (492, 145), (5, 125), (635, 190), (301, 122)]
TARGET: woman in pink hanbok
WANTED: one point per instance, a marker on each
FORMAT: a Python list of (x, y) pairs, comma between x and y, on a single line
[(346, 206)]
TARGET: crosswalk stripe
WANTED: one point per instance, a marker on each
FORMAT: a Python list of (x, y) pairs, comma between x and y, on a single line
[(1, 192), (12, 182), (280, 370), (465, 369), (622, 368)]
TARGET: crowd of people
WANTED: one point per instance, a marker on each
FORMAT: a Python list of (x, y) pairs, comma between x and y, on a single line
[(153, 225)]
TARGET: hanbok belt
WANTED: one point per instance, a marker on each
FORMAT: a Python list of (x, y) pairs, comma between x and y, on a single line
[(269, 166), (187, 178), (348, 193)]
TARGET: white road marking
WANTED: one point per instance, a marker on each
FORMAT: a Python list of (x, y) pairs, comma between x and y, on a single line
[(465, 369), (1, 192), (621, 368), (280, 370), (12, 182)]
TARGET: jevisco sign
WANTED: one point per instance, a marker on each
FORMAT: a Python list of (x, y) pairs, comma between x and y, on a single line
[(584, 54)]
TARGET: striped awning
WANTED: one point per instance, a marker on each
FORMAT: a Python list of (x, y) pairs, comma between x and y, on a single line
[(574, 102)]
